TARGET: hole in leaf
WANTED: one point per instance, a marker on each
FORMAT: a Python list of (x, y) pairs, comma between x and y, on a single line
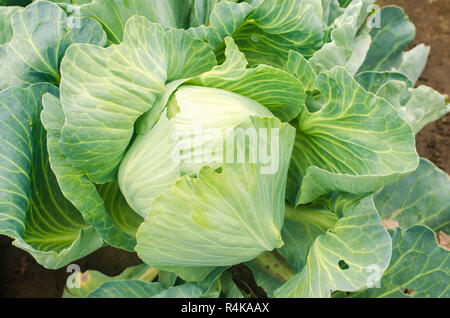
[(408, 291), (343, 265)]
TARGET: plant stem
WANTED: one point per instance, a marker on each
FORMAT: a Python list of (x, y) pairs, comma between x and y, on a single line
[(320, 217), (149, 275), (275, 265)]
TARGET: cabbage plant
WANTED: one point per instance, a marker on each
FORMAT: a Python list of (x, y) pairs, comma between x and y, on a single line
[(203, 134)]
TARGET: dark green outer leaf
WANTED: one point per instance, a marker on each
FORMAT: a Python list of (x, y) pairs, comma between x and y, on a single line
[(372, 81), (421, 197), (32, 208), (5, 23), (302, 226), (341, 258), (41, 34), (104, 208), (388, 41), (355, 143), (418, 268), (127, 289), (113, 14), (14, 2), (277, 27)]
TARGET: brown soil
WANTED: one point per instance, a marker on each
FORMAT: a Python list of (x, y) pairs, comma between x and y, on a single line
[(21, 276), (431, 20)]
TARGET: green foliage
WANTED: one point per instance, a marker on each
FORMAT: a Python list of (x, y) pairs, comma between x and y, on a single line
[(101, 104)]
